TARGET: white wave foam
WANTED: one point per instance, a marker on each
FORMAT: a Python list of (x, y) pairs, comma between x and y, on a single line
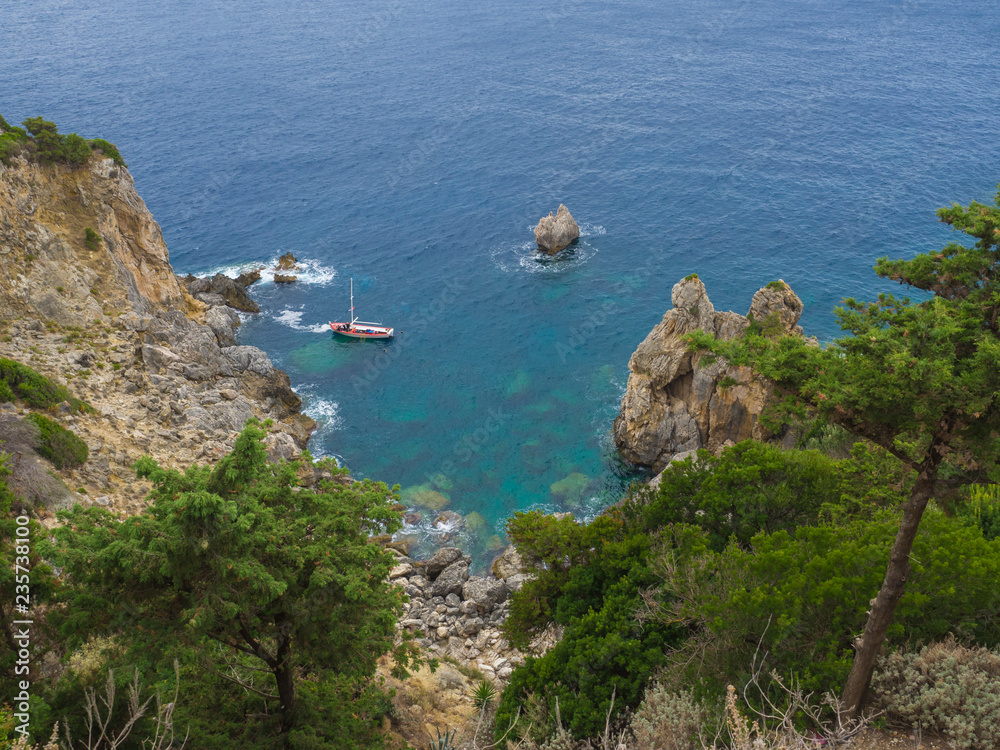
[(526, 257), (293, 319), (310, 271), (324, 411)]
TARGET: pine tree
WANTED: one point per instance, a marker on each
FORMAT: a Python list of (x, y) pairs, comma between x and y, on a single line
[(920, 379)]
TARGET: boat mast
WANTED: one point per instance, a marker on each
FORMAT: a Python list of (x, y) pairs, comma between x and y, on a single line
[(353, 319)]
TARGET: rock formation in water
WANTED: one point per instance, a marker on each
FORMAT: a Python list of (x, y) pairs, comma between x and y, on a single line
[(554, 233), (675, 401), (89, 299)]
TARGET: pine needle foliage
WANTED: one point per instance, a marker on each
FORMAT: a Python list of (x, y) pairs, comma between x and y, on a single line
[(276, 587)]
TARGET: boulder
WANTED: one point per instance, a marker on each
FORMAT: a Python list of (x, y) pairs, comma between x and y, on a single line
[(249, 358), (485, 592), (223, 321), (247, 278), (516, 581), (442, 559), (282, 279), (554, 233), (507, 563), (677, 400), (451, 579)]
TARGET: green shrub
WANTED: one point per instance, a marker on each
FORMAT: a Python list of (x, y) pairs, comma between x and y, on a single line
[(983, 509), (753, 487), (35, 389), (6, 394), (61, 446), (802, 596), (92, 238), (41, 141), (109, 149), (590, 579), (75, 149), (947, 688), (779, 285), (12, 143), (668, 720)]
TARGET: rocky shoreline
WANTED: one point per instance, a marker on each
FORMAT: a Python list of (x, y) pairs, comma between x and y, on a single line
[(109, 319)]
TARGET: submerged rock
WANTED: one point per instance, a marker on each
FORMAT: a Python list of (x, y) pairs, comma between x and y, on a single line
[(675, 400), (554, 233)]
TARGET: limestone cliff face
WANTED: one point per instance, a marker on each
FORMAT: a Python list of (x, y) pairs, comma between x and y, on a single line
[(673, 402), (107, 317), (44, 214)]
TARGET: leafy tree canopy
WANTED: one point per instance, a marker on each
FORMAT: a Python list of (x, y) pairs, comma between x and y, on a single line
[(255, 576)]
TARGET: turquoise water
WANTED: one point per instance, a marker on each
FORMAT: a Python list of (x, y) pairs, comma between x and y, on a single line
[(412, 146)]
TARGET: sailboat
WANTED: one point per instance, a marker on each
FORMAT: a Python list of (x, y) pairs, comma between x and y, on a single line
[(358, 329)]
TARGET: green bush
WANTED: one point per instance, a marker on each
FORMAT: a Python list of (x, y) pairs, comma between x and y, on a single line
[(34, 389), (983, 509), (755, 487), (947, 688), (802, 596), (6, 394), (41, 141), (109, 149), (590, 580), (75, 149), (61, 446), (91, 238), (12, 143)]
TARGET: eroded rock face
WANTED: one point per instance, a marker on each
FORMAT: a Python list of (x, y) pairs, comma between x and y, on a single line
[(48, 268), (103, 312), (673, 401), (554, 233)]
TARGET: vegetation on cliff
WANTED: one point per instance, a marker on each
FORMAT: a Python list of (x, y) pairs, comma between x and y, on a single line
[(270, 595), (765, 559), (17, 380), (40, 141)]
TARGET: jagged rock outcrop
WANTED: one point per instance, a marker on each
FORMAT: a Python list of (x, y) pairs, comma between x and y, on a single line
[(674, 401), (103, 312), (222, 290), (554, 233)]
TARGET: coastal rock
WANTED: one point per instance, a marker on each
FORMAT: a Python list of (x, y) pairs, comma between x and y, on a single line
[(282, 279), (675, 401), (554, 233), (442, 559), (109, 318), (508, 563), (247, 278), (287, 262), (485, 592), (451, 579)]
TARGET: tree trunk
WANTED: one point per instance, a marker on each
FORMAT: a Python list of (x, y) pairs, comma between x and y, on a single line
[(285, 678), (893, 586)]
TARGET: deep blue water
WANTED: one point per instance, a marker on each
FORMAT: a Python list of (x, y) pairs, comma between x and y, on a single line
[(412, 146)]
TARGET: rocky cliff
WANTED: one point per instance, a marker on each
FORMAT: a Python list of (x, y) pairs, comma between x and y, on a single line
[(676, 400), (89, 299)]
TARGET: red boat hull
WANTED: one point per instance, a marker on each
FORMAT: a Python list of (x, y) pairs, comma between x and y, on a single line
[(361, 332)]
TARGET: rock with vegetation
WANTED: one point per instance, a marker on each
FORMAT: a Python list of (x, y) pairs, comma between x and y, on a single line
[(90, 309), (554, 233), (680, 400)]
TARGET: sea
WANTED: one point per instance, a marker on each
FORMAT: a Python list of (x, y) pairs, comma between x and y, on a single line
[(412, 146)]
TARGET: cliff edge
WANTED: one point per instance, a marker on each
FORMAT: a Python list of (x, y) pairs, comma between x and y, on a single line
[(89, 299), (676, 400)]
